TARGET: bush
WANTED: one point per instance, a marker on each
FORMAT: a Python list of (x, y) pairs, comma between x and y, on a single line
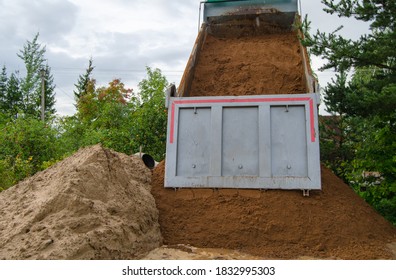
[(14, 170)]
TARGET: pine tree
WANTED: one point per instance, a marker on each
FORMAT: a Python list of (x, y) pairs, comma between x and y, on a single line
[(375, 52), (33, 56), (83, 82), (367, 101), (3, 87), (13, 96)]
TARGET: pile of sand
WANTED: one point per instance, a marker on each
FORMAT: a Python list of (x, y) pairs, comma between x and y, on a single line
[(333, 223), (95, 204), (252, 65)]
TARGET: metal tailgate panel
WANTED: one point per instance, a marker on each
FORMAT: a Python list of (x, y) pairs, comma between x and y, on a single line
[(255, 142), (288, 141), (193, 139), (240, 142)]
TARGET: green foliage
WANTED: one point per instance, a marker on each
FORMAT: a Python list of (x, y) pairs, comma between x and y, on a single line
[(376, 49), (26, 144), (365, 140), (104, 116), (336, 147), (373, 91), (33, 56), (6, 175), (13, 98), (49, 94), (151, 115), (84, 82), (27, 138), (121, 120), (14, 170), (110, 115), (10, 94), (3, 87)]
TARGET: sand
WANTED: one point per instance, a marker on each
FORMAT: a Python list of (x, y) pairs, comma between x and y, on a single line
[(95, 204), (256, 65), (99, 204), (334, 223)]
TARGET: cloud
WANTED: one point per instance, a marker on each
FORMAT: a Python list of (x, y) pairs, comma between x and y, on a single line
[(23, 19)]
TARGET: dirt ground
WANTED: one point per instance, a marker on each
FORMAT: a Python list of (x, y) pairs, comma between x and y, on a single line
[(187, 252), (264, 64), (334, 223)]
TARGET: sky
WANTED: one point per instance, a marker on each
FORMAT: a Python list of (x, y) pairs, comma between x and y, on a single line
[(122, 37)]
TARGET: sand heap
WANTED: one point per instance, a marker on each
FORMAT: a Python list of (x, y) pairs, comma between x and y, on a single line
[(252, 65), (334, 223), (95, 204)]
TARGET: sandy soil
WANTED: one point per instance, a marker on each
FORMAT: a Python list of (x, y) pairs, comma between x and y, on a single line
[(95, 204), (334, 223), (265, 64)]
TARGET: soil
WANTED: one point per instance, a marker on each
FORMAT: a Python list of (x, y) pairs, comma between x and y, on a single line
[(95, 204), (249, 65), (334, 223), (187, 252)]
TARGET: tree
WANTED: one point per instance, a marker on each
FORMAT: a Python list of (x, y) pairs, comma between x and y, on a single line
[(367, 102), (10, 94), (103, 116), (336, 130), (13, 100), (151, 115), (49, 93), (3, 87), (373, 51), (91, 104), (27, 144), (33, 55), (84, 82)]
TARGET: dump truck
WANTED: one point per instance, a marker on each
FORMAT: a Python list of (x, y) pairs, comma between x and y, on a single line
[(245, 114)]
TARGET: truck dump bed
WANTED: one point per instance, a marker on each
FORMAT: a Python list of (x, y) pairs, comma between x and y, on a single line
[(245, 115), (251, 65)]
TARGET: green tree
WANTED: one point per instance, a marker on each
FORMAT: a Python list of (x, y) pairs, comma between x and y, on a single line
[(337, 134), (33, 55), (27, 145), (367, 102), (113, 118), (49, 94), (28, 137), (371, 51), (151, 115), (84, 82), (3, 87), (13, 100), (103, 116)]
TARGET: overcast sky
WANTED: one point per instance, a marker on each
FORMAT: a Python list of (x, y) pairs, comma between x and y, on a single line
[(122, 36)]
